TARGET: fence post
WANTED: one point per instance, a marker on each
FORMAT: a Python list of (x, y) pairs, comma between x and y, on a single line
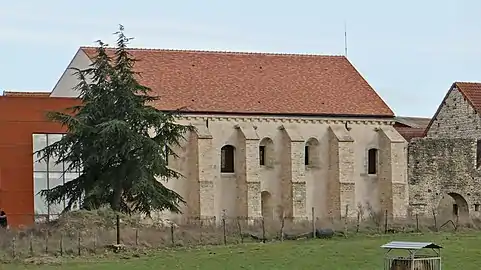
[(172, 233), (240, 230), (223, 230), (200, 230), (14, 247), (435, 220), (79, 242), (31, 244), (358, 221), (263, 230), (417, 222), (46, 241), (136, 237), (282, 227), (313, 214), (61, 244), (117, 223), (385, 222), (95, 241)]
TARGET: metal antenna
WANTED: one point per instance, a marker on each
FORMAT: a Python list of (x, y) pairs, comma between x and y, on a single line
[(345, 38)]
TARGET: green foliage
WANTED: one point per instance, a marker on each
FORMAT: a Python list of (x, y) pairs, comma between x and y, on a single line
[(109, 140)]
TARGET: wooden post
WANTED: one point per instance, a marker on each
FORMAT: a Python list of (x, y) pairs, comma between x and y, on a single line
[(313, 214), (46, 241), (79, 251), (224, 230), (136, 237), (172, 233), (263, 231), (358, 221), (118, 228), (283, 219), (240, 230), (14, 247), (31, 244), (61, 244), (385, 221), (200, 230), (95, 242), (417, 222)]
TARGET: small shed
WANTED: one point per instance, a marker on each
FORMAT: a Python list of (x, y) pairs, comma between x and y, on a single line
[(417, 256)]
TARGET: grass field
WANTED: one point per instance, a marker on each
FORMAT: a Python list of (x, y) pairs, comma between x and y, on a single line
[(462, 251)]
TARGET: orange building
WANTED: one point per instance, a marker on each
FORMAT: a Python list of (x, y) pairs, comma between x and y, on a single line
[(21, 116)]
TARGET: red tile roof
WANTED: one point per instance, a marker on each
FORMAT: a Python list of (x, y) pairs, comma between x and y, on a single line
[(409, 133), (411, 127), (26, 94), (471, 92), (260, 83)]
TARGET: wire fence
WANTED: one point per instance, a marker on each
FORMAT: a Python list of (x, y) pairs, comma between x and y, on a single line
[(84, 233)]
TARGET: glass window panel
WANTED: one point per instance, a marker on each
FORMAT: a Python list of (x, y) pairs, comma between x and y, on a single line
[(39, 142), (71, 176), (52, 167), (56, 179), (40, 183), (39, 166)]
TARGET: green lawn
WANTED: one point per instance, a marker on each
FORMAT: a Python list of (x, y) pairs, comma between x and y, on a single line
[(461, 251)]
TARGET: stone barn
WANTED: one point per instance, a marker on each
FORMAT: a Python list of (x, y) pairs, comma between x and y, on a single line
[(444, 166)]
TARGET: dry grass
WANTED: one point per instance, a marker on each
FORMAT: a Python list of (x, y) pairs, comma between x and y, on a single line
[(93, 233)]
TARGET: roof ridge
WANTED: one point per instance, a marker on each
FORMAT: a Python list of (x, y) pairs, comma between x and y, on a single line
[(224, 52), (468, 82), (25, 93)]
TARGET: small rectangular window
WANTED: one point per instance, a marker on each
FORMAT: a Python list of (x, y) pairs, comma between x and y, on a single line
[(227, 159), (262, 155), (306, 155), (372, 161), (476, 207)]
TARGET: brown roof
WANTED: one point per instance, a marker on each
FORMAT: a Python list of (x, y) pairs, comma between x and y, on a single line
[(409, 133), (411, 127), (26, 94), (413, 122), (261, 83), (471, 92)]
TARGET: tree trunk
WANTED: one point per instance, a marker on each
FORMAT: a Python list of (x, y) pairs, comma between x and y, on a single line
[(115, 204)]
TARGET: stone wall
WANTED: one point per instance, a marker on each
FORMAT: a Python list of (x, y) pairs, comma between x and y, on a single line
[(334, 180), (456, 118), (442, 168)]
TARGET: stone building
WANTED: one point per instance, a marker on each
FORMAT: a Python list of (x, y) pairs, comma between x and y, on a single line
[(444, 166), (276, 134)]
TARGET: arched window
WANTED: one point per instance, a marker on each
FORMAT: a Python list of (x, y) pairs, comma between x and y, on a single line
[(372, 161), (227, 153), (266, 152), (311, 152)]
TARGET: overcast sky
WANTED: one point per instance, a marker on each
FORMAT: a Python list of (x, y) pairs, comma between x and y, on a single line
[(409, 51)]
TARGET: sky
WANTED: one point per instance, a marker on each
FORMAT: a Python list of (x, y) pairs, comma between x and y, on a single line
[(409, 51)]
